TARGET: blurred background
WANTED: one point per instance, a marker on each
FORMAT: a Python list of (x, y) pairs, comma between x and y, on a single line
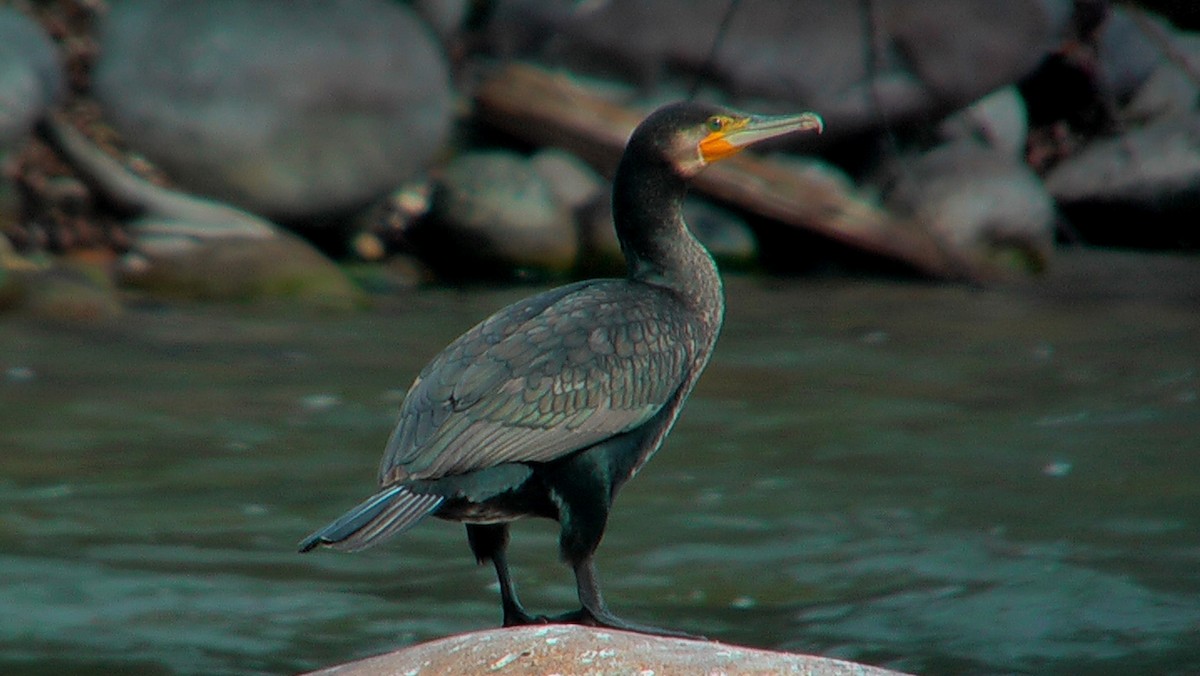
[(950, 427)]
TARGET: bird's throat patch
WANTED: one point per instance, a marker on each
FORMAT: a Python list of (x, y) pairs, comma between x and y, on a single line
[(716, 147)]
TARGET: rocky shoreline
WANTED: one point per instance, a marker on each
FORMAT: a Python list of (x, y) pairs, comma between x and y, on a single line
[(350, 131)]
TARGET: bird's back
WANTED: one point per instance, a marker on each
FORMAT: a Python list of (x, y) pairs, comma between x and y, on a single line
[(548, 376)]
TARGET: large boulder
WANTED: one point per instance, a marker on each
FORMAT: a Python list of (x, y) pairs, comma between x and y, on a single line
[(492, 213), (293, 109), (31, 78), (571, 649), (990, 213)]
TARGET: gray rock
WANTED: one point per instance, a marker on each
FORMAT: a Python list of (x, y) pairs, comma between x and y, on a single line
[(1170, 89), (31, 79), (1128, 56), (493, 212), (446, 17), (1142, 187), (931, 56), (571, 649), (988, 210), (573, 181), (289, 108), (998, 120)]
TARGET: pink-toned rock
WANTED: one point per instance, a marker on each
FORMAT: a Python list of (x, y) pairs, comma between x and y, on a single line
[(575, 650)]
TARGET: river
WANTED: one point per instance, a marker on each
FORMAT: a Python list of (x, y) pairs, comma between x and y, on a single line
[(934, 478)]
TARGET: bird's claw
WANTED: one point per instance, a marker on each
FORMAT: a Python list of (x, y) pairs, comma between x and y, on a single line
[(607, 620)]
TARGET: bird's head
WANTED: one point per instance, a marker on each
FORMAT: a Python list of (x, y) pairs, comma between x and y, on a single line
[(690, 136)]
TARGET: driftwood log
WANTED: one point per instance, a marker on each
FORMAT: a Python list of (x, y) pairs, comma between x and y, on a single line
[(548, 109)]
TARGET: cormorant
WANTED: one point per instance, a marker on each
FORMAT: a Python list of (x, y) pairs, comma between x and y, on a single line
[(549, 406)]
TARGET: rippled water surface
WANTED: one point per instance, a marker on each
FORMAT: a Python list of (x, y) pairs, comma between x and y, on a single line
[(931, 478)]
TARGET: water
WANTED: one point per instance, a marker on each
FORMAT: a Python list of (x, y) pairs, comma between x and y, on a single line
[(931, 478)]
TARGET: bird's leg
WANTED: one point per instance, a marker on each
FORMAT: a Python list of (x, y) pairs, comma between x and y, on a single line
[(489, 543), (583, 497), (596, 613)]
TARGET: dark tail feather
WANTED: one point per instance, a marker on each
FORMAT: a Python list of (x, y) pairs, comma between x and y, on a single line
[(382, 515)]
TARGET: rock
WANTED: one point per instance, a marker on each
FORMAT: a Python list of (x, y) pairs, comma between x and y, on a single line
[(71, 294), (998, 120), (31, 79), (931, 57), (572, 180), (290, 108), (492, 213), (240, 269), (194, 248), (1139, 188), (1170, 89), (68, 291), (446, 17), (571, 649), (990, 212), (1128, 55)]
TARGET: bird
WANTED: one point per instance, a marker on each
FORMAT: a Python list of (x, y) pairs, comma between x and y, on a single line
[(549, 406)]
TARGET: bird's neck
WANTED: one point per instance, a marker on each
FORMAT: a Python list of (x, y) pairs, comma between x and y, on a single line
[(658, 246)]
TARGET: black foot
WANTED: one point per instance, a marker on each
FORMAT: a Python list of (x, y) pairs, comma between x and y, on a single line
[(609, 621), (520, 618)]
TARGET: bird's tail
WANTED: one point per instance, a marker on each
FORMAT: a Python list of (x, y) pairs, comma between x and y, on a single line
[(384, 514)]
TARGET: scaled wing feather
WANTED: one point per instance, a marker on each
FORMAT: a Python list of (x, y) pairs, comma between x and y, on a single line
[(539, 380)]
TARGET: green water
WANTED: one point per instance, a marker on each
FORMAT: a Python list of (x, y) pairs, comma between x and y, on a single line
[(931, 478)]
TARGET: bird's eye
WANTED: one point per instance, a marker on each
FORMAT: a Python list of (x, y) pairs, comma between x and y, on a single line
[(716, 123)]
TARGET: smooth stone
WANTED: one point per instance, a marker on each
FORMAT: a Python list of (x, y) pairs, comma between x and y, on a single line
[(1139, 188), (1127, 54), (989, 211), (492, 213), (571, 649), (999, 120), (1170, 90), (293, 109), (283, 268), (571, 179), (31, 79)]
